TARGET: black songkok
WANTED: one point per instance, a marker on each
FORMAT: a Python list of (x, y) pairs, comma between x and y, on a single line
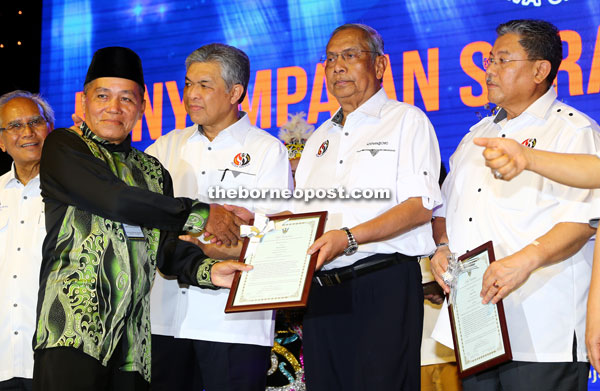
[(116, 61)]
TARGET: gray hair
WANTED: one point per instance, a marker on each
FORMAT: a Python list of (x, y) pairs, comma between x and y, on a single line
[(235, 64), (540, 39), (43, 106), (372, 37)]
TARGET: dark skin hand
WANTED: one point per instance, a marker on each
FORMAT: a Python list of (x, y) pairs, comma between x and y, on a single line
[(224, 225)]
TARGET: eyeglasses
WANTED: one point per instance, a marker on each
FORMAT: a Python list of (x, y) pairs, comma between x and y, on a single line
[(501, 62), (38, 123), (349, 55)]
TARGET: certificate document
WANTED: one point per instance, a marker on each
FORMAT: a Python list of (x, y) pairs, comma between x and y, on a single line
[(479, 330), (282, 270)]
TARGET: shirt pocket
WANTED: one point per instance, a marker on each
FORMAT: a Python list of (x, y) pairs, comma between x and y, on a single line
[(522, 194), (375, 168), (234, 178)]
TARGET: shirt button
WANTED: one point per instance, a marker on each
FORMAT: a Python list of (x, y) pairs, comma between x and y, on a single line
[(183, 292), (346, 133), (16, 333), (22, 222), (341, 161), (470, 219), (210, 148), (15, 276), (203, 172), (15, 305), (479, 190), (570, 114), (558, 111), (503, 135), (18, 248), (24, 197)]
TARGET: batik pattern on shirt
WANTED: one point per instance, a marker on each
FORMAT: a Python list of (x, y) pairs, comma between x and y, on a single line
[(97, 290)]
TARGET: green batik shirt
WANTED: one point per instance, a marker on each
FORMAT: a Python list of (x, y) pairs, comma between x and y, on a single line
[(96, 270)]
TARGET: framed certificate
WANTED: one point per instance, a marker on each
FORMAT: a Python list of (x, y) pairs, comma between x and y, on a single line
[(283, 270), (478, 330)]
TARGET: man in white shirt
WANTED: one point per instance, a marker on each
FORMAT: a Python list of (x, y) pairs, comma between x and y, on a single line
[(538, 226), (25, 120), (222, 149), (362, 329)]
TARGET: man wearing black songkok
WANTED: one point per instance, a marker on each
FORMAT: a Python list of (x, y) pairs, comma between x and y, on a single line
[(111, 219)]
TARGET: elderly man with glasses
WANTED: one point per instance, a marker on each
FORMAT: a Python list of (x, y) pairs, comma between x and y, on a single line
[(362, 329), (538, 226), (25, 120)]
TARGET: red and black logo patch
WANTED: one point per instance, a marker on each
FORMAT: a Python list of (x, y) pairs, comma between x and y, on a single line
[(530, 142), (242, 159), (323, 148)]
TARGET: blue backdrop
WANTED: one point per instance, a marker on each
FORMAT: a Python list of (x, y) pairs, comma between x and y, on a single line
[(435, 50)]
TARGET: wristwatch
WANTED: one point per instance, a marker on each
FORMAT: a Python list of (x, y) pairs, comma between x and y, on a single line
[(352, 245)]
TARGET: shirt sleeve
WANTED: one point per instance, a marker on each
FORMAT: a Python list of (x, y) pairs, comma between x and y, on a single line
[(72, 175), (183, 259), (419, 160)]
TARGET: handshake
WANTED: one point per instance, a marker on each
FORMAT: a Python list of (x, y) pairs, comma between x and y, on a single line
[(223, 224)]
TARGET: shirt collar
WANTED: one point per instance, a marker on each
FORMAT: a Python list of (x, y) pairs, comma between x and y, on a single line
[(12, 180), (238, 130), (371, 107), (538, 109), (125, 146), (12, 177)]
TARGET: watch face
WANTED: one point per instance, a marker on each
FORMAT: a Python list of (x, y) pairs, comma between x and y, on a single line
[(350, 250)]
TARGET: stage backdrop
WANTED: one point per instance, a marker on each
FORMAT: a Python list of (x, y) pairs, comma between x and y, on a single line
[(435, 50)]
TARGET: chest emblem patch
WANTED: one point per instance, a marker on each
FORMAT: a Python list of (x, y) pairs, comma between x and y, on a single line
[(323, 148), (242, 159), (530, 142)]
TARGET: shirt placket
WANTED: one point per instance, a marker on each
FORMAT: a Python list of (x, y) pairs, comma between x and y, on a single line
[(20, 240), (209, 153), (343, 137)]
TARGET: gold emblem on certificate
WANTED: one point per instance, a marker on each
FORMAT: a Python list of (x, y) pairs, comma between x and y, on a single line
[(282, 274), (479, 330)]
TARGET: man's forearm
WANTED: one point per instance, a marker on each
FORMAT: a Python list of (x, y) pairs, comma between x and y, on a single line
[(558, 244), (507, 274), (576, 170), (438, 226), (399, 219)]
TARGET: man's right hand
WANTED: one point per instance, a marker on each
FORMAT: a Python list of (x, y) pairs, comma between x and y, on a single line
[(506, 157), (222, 273), (224, 225), (439, 265)]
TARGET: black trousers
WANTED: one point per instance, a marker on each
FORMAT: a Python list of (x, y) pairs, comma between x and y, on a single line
[(184, 364), (526, 376), (16, 384), (69, 369), (365, 334)]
